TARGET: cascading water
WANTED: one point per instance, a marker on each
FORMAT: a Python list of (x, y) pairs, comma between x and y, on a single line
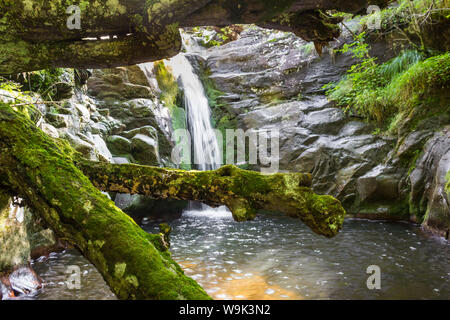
[(206, 152)]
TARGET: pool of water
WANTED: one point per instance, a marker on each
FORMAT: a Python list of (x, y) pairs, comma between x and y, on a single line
[(276, 257)]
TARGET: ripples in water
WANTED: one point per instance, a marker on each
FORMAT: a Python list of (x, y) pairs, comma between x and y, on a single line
[(276, 257)]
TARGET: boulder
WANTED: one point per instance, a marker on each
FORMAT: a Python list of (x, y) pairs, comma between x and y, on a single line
[(145, 150), (429, 198), (118, 145)]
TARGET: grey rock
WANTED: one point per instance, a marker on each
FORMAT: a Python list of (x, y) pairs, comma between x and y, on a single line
[(429, 198), (145, 150), (57, 120), (102, 150), (118, 145)]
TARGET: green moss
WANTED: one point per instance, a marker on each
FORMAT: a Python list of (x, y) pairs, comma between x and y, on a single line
[(221, 118), (447, 185), (405, 88), (169, 88), (44, 174), (244, 192), (415, 155)]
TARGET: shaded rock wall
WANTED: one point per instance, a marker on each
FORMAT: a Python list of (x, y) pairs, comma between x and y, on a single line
[(116, 117), (273, 80)]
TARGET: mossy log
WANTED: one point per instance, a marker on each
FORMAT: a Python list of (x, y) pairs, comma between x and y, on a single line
[(135, 264), (243, 192), (34, 33)]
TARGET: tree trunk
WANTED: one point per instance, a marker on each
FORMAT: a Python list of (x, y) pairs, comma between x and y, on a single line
[(135, 264), (243, 192), (34, 33)]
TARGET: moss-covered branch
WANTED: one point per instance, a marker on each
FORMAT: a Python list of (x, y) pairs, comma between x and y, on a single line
[(34, 33), (243, 192), (135, 264)]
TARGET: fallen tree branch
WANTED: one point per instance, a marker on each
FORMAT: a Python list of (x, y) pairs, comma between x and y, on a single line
[(135, 264), (243, 192)]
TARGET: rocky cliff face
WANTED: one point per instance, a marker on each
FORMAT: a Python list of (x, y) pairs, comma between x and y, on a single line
[(116, 117), (263, 80), (273, 80)]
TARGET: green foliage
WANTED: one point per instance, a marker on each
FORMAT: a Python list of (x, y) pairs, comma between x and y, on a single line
[(361, 81), (168, 85), (214, 36), (43, 82), (338, 14), (387, 93), (399, 64), (22, 101), (212, 93), (409, 19), (447, 185), (9, 85)]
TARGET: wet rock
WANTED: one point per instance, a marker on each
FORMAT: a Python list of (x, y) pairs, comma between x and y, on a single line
[(273, 80), (119, 145), (65, 88), (148, 131), (50, 130), (413, 142), (327, 121), (102, 150), (117, 84), (57, 120), (145, 150), (430, 199), (24, 280), (5, 290), (375, 185), (86, 149), (123, 160), (22, 237)]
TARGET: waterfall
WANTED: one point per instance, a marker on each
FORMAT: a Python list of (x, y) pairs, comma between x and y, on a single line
[(206, 155), (206, 152)]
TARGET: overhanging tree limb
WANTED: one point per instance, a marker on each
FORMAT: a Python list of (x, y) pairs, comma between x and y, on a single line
[(34, 33), (243, 192), (135, 264)]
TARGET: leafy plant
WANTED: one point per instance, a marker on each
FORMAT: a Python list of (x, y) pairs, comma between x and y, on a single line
[(409, 20), (389, 92), (43, 82)]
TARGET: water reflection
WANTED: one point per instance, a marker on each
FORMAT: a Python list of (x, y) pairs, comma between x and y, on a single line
[(279, 258), (282, 253)]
